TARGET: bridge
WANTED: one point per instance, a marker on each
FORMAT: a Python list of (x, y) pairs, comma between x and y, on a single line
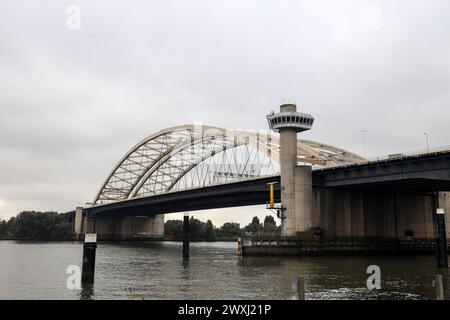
[(324, 192), (194, 167)]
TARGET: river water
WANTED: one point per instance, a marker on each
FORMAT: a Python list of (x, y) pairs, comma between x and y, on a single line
[(155, 270)]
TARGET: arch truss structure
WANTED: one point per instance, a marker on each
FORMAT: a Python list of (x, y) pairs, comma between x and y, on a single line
[(194, 156)]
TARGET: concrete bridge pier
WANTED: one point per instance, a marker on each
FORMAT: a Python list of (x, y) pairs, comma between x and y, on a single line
[(303, 201), (444, 203), (78, 222), (120, 227)]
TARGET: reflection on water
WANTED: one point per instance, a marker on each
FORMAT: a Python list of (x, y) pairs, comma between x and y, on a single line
[(87, 291), (156, 270)]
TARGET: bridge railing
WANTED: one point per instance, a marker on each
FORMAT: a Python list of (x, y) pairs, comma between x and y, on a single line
[(263, 234), (400, 155)]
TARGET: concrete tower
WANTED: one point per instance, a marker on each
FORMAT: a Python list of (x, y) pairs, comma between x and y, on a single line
[(296, 181)]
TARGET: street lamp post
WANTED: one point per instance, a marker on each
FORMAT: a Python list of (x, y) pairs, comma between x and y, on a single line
[(426, 136), (364, 142)]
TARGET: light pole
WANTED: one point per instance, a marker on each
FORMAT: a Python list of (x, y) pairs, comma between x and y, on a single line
[(426, 135), (364, 142)]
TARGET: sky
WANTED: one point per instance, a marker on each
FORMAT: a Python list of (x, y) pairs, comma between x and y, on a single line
[(82, 81)]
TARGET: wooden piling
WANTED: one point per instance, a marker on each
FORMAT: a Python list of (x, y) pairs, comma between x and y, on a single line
[(439, 287), (89, 252), (186, 236), (441, 243), (301, 287)]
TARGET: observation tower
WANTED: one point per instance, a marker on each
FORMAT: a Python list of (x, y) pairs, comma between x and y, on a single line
[(296, 181)]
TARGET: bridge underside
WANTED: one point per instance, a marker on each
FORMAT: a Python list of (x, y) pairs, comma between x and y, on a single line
[(337, 213), (398, 213)]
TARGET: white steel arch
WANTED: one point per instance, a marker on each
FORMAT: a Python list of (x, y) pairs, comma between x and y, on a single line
[(191, 156)]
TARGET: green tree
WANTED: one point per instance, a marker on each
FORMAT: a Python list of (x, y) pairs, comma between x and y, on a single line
[(210, 232), (37, 225), (254, 227), (3, 228), (196, 229), (269, 219), (10, 227), (174, 229), (229, 229), (269, 224)]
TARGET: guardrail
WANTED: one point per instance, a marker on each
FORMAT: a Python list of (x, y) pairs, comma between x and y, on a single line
[(409, 153), (393, 156)]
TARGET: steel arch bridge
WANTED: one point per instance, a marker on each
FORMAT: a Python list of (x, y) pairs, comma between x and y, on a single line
[(196, 156)]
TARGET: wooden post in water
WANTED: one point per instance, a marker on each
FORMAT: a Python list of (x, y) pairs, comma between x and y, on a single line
[(89, 250), (301, 287), (439, 287), (239, 247), (186, 236), (441, 241)]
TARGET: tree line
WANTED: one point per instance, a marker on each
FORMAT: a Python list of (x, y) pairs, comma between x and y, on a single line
[(35, 225), (206, 231)]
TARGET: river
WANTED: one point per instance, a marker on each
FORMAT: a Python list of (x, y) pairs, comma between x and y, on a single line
[(155, 270)]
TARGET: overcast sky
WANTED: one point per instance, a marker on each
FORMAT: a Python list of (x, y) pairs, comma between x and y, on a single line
[(73, 101)]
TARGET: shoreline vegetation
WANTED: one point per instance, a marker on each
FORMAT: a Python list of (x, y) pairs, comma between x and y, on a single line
[(53, 226), (36, 225)]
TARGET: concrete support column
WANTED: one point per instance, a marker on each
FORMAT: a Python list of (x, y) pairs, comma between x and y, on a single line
[(116, 227), (303, 199), (78, 222), (288, 160), (444, 203), (158, 225), (357, 215), (139, 226), (347, 215), (316, 207), (90, 225), (327, 212)]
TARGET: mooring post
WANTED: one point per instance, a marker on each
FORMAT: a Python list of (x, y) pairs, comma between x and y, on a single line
[(439, 287), (441, 242), (301, 287), (239, 247), (186, 236), (89, 249)]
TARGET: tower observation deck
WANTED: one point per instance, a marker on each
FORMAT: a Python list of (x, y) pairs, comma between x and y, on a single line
[(290, 119)]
